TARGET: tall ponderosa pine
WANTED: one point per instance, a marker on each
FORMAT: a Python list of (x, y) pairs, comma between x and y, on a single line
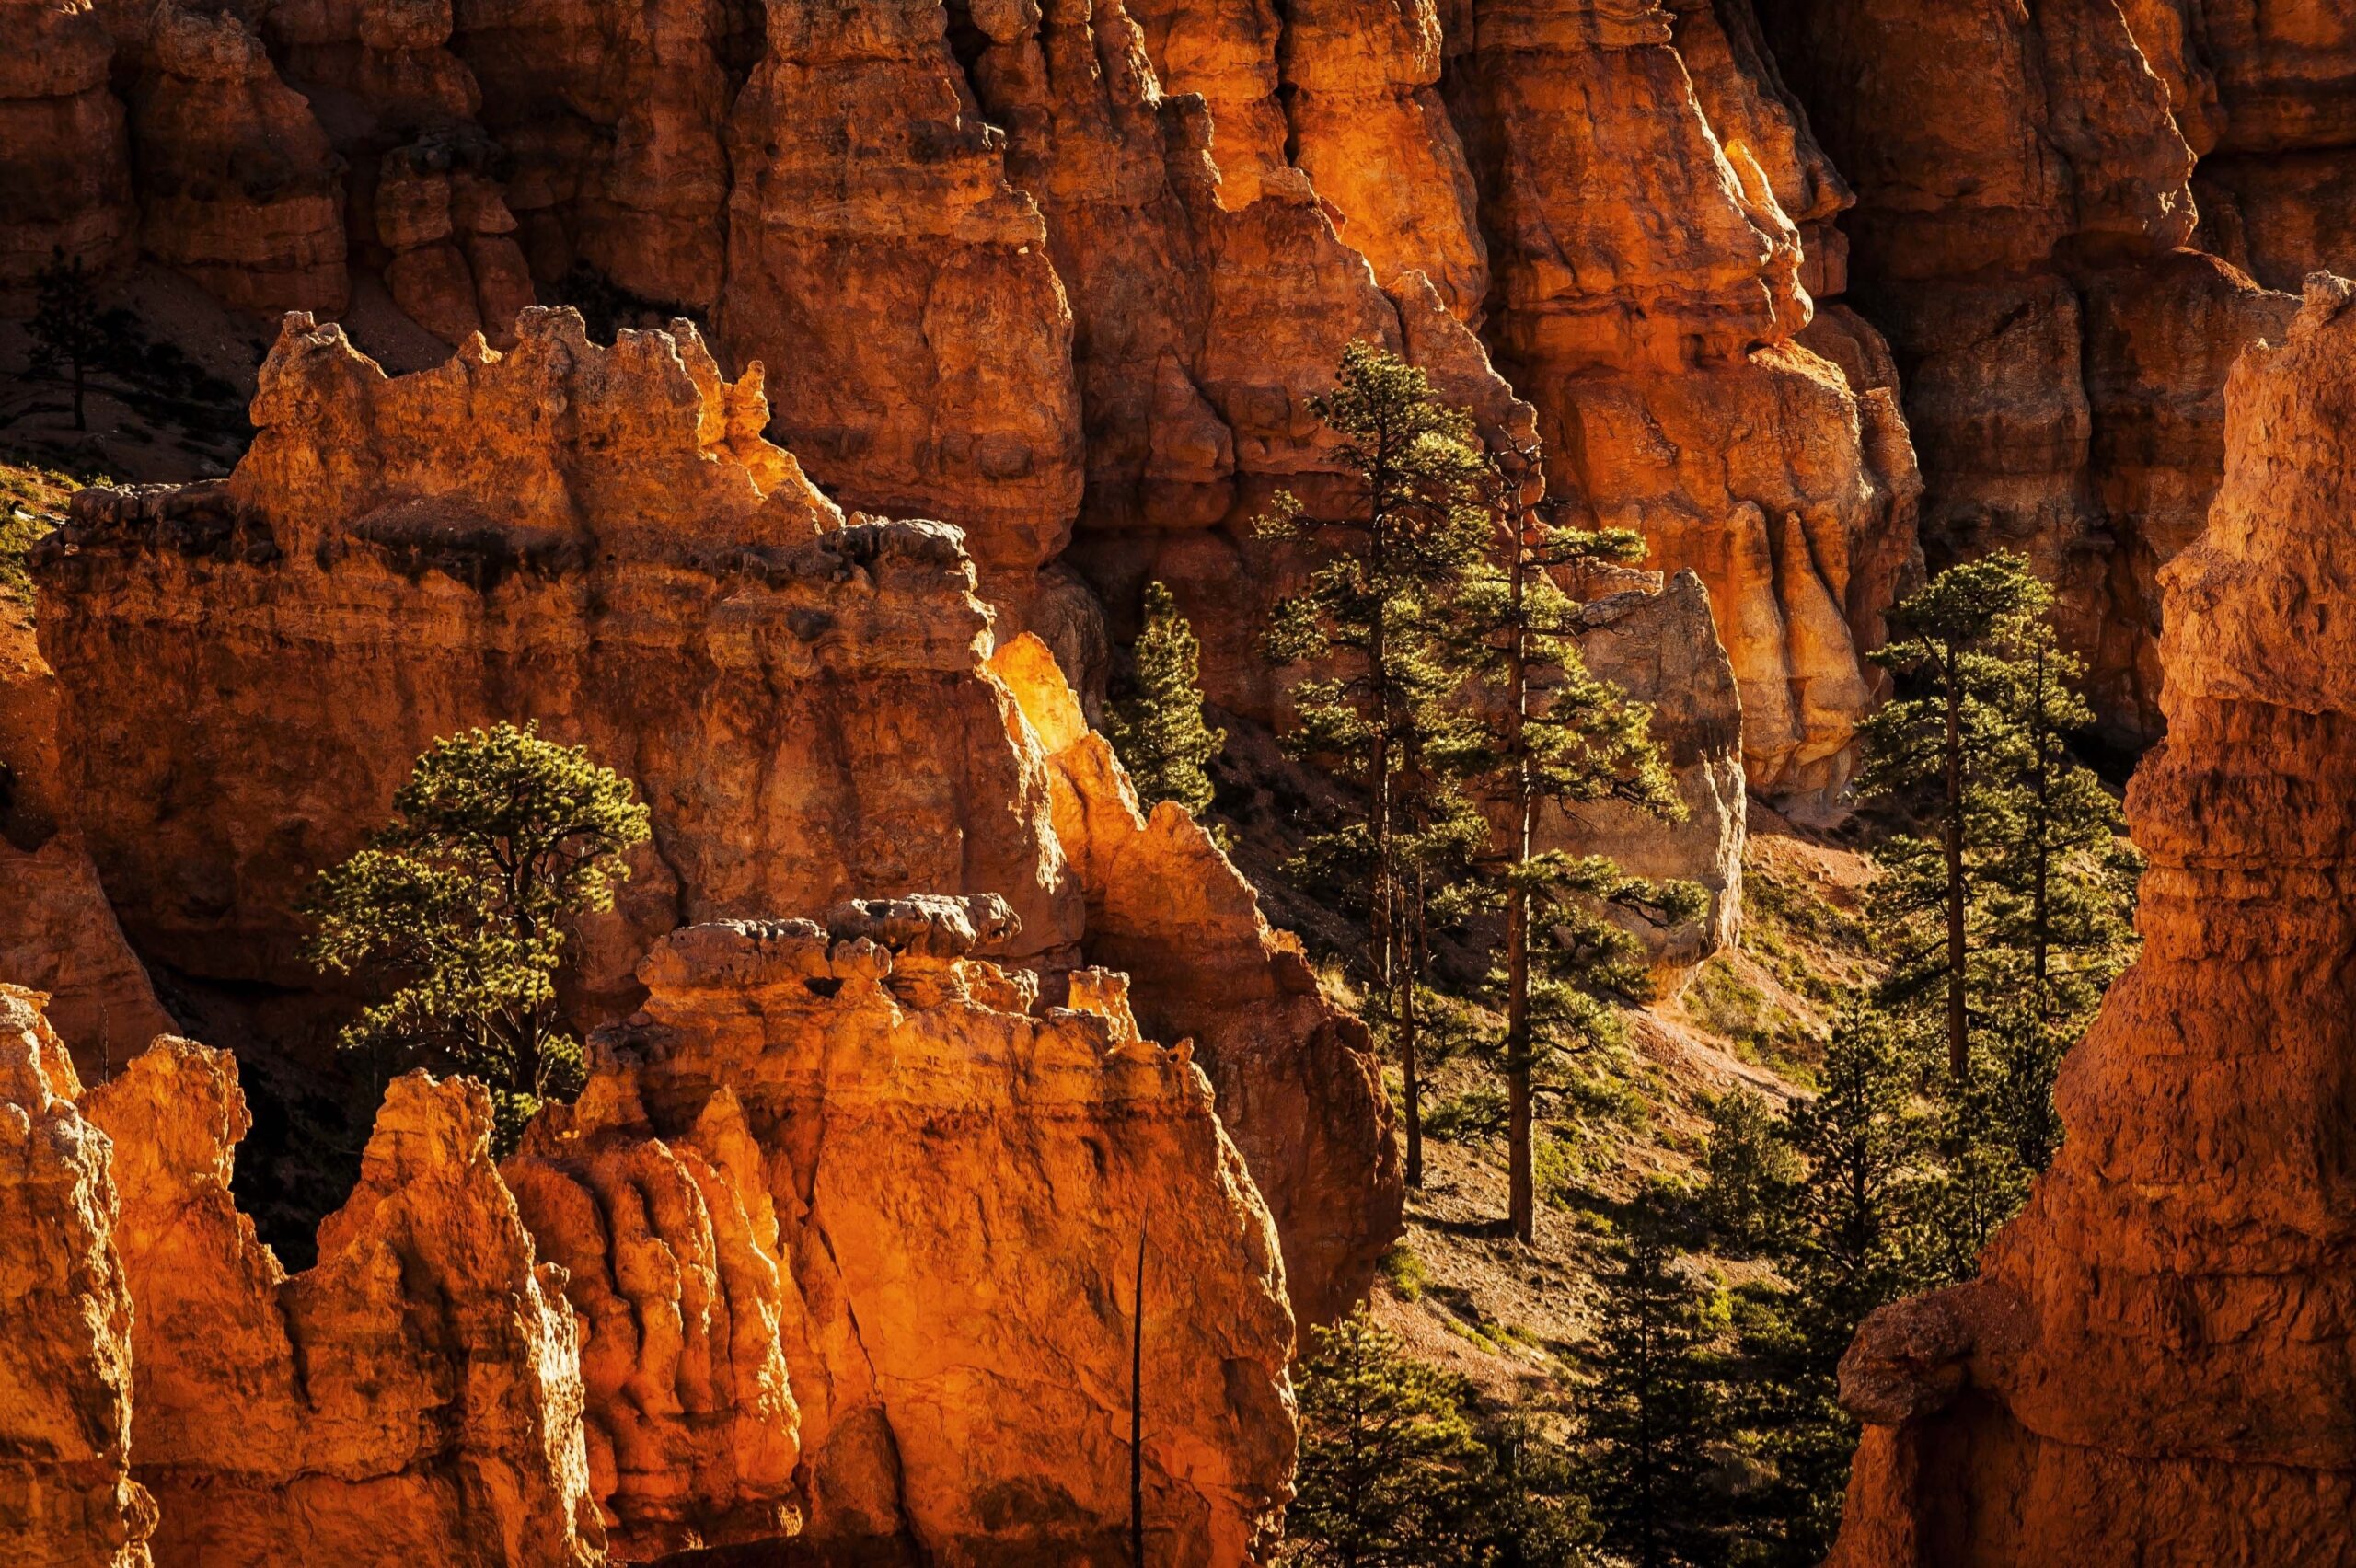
[(1548, 732), (458, 912), (1653, 1409), (1391, 1475), (1949, 749), (1158, 731), (1382, 710), (2063, 902)]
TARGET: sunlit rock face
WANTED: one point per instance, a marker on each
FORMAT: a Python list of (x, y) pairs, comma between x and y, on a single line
[(66, 1494), (2155, 1362), (1066, 275), (854, 1219), (843, 1243), (414, 1396), (601, 541), (2031, 184)]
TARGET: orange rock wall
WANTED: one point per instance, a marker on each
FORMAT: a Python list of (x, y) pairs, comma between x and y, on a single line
[(2155, 1363), (1067, 275), (920, 1190), (600, 541), (2028, 182), (66, 1496)]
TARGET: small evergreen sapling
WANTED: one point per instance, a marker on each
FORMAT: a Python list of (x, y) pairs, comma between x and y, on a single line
[(457, 913), (70, 333), (1158, 731)]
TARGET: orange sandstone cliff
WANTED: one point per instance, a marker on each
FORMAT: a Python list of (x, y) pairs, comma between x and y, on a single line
[(600, 541), (842, 1244), (2153, 1365), (1066, 275)]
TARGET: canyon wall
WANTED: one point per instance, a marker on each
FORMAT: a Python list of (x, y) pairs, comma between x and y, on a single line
[(842, 1243), (600, 541), (1066, 275), (66, 1496), (2032, 183), (2155, 1363)]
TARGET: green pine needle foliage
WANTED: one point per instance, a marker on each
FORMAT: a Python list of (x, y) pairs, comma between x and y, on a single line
[(457, 914), (1159, 732)]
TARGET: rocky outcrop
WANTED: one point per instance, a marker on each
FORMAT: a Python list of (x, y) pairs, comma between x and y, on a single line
[(58, 935), (848, 1228), (2021, 243), (2153, 1365), (1066, 275), (67, 154), (1297, 1078), (415, 1396), (599, 539), (1648, 298), (238, 187), (1659, 644), (854, 1149), (66, 1496)]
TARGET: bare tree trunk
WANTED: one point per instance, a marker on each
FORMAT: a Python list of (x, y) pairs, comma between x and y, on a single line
[(1958, 1017), (1137, 1413), (1521, 1181)]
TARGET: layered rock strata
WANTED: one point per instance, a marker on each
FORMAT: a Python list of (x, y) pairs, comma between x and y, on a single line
[(853, 1158), (66, 1496), (600, 541), (842, 1244), (414, 1397), (2024, 244), (1067, 275), (64, 147), (2153, 1365)]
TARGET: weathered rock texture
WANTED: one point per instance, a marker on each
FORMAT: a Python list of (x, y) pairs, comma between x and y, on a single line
[(2155, 1363), (1066, 275), (852, 1157), (66, 1496), (2027, 185), (414, 1397), (64, 145), (841, 1243), (57, 933), (599, 539)]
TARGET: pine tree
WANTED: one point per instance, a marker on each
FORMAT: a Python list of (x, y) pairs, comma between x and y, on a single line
[(1652, 1409), (1543, 730), (1391, 1474), (1854, 1242), (1535, 1510), (1160, 731), (1948, 748), (70, 332), (1384, 712), (2063, 898), (458, 912), (1751, 1170)]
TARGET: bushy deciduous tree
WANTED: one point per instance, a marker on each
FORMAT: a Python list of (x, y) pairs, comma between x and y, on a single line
[(457, 914)]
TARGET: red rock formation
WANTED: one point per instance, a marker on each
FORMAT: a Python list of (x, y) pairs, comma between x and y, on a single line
[(414, 1397), (237, 181), (1648, 288), (879, 258), (2153, 1365), (67, 155), (599, 539), (928, 1197), (2019, 244), (66, 1498), (1296, 1080)]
